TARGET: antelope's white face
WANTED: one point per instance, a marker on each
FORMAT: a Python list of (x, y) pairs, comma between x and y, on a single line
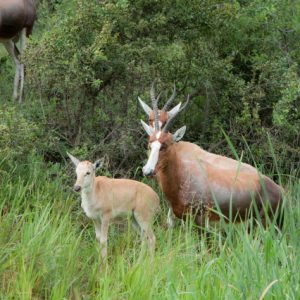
[(155, 147), (159, 142), (85, 171)]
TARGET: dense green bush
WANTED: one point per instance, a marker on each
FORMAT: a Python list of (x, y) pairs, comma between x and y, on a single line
[(24, 143), (19, 138), (237, 58)]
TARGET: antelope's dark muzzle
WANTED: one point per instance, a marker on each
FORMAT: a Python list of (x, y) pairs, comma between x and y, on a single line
[(77, 188)]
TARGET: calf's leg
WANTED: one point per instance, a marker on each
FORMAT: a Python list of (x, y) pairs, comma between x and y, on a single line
[(101, 229)]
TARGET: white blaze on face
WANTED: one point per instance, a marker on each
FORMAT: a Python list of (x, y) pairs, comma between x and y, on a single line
[(149, 168)]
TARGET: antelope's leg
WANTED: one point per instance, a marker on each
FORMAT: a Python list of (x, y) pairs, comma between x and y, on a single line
[(201, 221), (22, 47), (101, 228), (13, 52), (21, 83), (170, 218), (144, 222), (23, 40)]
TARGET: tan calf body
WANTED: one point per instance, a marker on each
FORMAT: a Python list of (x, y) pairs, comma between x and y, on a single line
[(103, 198)]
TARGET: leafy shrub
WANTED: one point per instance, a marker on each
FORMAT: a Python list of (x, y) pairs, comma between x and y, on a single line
[(19, 138), (238, 60)]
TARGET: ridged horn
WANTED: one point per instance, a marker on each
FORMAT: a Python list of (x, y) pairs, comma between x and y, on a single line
[(154, 106), (170, 120), (185, 104), (170, 100)]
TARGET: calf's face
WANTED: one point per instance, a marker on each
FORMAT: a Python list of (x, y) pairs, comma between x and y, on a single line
[(85, 172)]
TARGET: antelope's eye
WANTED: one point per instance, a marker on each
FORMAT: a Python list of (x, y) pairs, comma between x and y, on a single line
[(87, 173)]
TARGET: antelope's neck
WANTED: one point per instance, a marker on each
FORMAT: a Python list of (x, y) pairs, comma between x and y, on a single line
[(89, 201), (169, 179), (87, 193)]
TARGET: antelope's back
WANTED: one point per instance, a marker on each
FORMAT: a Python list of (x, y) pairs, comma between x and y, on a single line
[(196, 153), (209, 178), (126, 190)]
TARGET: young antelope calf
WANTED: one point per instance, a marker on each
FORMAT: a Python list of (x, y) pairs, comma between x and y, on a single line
[(104, 198)]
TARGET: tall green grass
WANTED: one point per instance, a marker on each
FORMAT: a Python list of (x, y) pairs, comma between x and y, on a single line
[(48, 250)]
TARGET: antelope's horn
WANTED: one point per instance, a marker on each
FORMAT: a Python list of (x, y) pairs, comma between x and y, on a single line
[(152, 92), (170, 100), (154, 106), (170, 120), (185, 104)]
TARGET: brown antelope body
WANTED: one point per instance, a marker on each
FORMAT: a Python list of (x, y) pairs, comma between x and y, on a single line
[(194, 180), (16, 22), (103, 198)]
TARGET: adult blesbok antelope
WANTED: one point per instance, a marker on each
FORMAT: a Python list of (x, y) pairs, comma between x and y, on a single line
[(196, 181), (103, 198), (163, 117), (16, 22)]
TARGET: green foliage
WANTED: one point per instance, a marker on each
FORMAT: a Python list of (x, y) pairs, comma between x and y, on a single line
[(286, 112), (19, 138), (6, 75), (237, 58), (88, 61)]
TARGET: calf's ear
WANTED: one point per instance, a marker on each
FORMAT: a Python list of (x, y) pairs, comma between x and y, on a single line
[(74, 160), (98, 163)]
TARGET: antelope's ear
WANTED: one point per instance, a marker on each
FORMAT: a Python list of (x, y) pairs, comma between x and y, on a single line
[(145, 107), (74, 160), (148, 129), (98, 163), (174, 110), (178, 135)]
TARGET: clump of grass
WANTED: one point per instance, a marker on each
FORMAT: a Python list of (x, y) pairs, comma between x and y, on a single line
[(48, 250)]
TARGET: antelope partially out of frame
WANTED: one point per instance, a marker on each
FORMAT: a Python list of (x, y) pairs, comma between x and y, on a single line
[(16, 22), (103, 198), (202, 183)]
